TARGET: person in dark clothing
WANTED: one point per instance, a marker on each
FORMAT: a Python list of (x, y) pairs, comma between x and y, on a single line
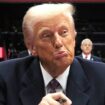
[(87, 47)]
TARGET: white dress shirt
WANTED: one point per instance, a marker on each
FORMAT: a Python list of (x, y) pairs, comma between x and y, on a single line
[(88, 56), (62, 79)]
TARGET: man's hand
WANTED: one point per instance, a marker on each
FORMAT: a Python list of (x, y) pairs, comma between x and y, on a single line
[(55, 99)]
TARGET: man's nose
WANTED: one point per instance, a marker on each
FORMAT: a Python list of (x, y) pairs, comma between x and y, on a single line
[(57, 41)]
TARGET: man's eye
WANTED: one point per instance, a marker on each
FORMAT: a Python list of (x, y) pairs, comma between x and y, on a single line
[(46, 35), (64, 32)]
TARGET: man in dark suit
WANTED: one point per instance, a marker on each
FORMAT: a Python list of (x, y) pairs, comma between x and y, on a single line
[(26, 81), (86, 47)]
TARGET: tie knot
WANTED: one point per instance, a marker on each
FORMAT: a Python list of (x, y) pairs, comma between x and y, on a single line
[(54, 83), (53, 86)]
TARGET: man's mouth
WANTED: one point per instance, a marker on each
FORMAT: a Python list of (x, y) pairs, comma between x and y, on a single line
[(60, 54)]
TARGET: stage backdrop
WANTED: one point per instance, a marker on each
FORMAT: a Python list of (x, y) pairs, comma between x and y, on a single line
[(39, 1)]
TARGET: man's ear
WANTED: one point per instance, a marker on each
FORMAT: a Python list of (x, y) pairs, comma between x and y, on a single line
[(34, 52)]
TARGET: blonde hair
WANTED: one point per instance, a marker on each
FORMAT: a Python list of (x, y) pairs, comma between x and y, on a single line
[(39, 12)]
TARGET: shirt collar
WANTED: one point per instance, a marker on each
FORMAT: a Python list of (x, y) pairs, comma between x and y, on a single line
[(62, 79), (88, 56)]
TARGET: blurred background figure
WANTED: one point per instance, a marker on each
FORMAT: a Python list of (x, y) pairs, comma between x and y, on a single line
[(28, 44), (12, 52), (86, 48), (24, 53)]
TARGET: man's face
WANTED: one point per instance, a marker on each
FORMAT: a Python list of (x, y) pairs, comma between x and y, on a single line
[(86, 47), (55, 41)]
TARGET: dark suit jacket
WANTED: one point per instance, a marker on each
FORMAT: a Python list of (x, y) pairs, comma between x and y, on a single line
[(23, 54), (21, 82), (93, 58)]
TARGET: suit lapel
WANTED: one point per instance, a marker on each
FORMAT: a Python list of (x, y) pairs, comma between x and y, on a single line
[(32, 86), (77, 85)]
